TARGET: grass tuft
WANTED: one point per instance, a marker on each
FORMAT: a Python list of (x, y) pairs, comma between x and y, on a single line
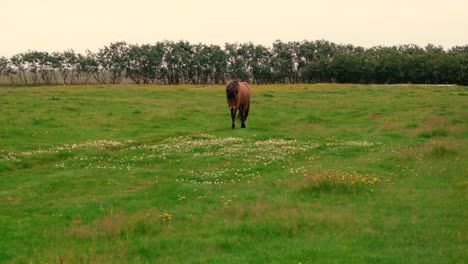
[(440, 132), (337, 181)]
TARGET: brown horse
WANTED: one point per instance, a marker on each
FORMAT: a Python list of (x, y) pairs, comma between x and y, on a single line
[(238, 98)]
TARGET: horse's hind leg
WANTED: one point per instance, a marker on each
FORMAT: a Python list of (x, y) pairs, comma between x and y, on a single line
[(245, 113), (242, 115), (233, 117)]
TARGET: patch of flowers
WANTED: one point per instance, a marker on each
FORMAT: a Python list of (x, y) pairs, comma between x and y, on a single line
[(205, 143), (247, 153), (94, 162), (165, 217), (218, 176), (354, 143), (9, 156), (97, 144), (236, 159)]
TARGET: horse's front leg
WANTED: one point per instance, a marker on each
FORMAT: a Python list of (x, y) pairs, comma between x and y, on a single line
[(233, 117)]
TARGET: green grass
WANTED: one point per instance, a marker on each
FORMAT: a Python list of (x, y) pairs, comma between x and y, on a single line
[(154, 174)]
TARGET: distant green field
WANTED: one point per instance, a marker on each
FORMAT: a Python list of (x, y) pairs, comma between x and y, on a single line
[(154, 174)]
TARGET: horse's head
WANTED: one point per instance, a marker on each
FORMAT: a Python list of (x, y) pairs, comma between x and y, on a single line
[(232, 89)]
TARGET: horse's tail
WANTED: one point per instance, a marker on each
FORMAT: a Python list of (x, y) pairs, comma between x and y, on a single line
[(243, 110), (239, 115)]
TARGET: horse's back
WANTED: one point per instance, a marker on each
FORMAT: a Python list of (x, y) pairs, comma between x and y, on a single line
[(245, 91)]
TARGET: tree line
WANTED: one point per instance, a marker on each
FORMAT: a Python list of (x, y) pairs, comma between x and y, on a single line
[(181, 62)]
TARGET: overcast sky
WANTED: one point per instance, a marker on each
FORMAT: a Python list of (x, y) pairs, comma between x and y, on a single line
[(58, 25)]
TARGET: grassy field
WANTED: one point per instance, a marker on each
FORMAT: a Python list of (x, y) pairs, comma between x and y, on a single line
[(154, 174)]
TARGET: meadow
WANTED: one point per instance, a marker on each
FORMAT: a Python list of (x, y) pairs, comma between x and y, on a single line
[(154, 174)]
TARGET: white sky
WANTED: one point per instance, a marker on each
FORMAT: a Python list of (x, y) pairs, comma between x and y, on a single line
[(58, 25)]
